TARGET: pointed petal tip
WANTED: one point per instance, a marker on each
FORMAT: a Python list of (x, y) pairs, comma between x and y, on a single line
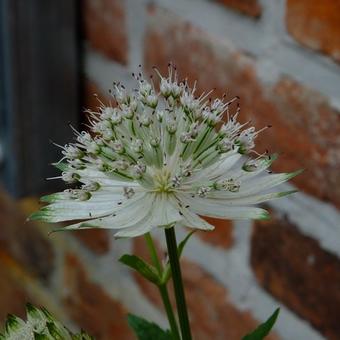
[(38, 216), (48, 198), (30, 307), (286, 193), (274, 156), (294, 173), (59, 230), (264, 216)]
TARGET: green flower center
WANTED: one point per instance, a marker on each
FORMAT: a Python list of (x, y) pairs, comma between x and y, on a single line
[(162, 181)]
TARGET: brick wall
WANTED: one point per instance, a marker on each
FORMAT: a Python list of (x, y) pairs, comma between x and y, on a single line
[(282, 59)]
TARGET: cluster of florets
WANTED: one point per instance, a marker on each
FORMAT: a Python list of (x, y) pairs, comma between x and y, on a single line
[(159, 138), (40, 324)]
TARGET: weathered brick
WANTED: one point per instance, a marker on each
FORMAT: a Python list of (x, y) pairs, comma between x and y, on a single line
[(105, 28), (90, 306), (23, 240), (315, 24), (294, 269), (13, 296), (298, 114), (221, 236), (96, 240), (212, 315), (248, 7), (93, 95)]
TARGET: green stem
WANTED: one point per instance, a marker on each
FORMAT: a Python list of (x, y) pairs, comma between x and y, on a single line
[(153, 252), (169, 312), (163, 289), (178, 283)]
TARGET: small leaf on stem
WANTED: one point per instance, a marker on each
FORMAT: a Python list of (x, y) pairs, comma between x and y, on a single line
[(263, 330), (146, 270), (146, 330), (167, 271)]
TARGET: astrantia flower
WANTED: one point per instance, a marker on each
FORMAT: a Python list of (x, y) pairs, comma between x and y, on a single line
[(39, 325), (158, 158)]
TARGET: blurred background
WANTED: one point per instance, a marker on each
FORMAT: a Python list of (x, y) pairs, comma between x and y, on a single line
[(280, 56)]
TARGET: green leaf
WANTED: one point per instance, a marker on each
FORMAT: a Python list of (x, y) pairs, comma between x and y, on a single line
[(146, 330), (167, 270), (145, 269), (263, 330)]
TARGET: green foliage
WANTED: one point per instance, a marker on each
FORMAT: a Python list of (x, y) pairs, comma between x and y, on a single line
[(263, 330), (146, 270), (146, 330), (40, 325)]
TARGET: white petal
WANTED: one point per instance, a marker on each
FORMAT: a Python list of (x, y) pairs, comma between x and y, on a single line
[(164, 212), (221, 167), (214, 208), (224, 166), (67, 210), (137, 218), (191, 219), (130, 214), (94, 175), (138, 230), (264, 182), (251, 199)]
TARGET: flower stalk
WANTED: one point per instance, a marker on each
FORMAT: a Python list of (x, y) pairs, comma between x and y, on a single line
[(163, 288), (178, 283)]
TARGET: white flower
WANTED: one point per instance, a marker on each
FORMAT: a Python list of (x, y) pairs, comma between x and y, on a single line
[(160, 158)]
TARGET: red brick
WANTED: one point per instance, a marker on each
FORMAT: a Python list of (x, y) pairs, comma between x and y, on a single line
[(221, 236), (93, 95), (212, 315), (294, 269), (23, 241), (105, 28), (298, 114), (315, 24), (13, 296), (248, 7), (91, 307), (96, 240)]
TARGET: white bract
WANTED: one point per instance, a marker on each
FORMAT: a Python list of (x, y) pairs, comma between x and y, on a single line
[(154, 159)]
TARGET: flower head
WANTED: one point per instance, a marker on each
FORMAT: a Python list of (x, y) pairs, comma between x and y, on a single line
[(40, 324), (161, 157)]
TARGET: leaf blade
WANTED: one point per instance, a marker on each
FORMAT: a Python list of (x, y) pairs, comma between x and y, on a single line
[(146, 270), (146, 330), (263, 329)]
